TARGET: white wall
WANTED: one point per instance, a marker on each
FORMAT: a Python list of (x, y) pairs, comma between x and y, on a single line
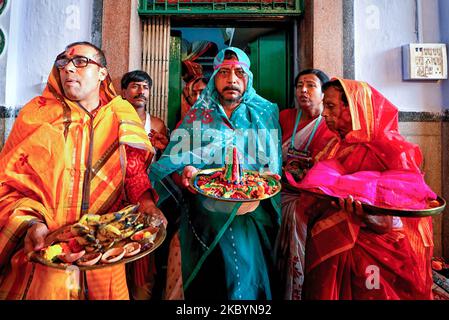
[(381, 28), (38, 31), (4, 25), (444, 33)]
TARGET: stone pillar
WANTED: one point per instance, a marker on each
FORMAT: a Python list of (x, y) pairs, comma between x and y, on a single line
[(321, 36), (121, 38), (425, 129)]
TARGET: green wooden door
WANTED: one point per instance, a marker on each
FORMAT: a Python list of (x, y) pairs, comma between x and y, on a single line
[(174, 81), (270, 64)]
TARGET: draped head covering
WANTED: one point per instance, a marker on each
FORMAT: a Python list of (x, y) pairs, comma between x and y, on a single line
[(206, 133), (375, 123), (374, 163), (188, 94)]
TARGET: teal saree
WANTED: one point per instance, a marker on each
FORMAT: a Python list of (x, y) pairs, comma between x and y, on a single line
[(243, 245)]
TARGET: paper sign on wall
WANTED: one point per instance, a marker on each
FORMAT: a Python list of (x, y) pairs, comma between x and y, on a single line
[(424, 61)]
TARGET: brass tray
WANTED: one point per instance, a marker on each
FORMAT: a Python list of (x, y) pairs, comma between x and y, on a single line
[(160, 236), (194, 185), (376, 210)]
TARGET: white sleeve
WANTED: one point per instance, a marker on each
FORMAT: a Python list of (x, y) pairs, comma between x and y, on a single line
[(397, 223)]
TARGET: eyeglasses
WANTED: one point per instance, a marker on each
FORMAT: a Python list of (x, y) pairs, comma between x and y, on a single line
[(78, 61)]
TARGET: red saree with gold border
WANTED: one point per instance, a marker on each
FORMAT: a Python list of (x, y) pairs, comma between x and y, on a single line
[(340, 252)]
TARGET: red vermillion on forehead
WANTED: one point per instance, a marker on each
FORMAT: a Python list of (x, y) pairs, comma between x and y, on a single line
[(72, 51), (231, 63)]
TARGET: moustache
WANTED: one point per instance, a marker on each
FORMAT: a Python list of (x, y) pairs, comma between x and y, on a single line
[(140, 96), (232, 88)]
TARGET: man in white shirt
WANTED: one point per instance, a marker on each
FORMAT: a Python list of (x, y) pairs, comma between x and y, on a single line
[(136, 87)]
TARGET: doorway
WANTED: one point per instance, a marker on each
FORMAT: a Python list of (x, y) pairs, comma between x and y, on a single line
[(269, 50)]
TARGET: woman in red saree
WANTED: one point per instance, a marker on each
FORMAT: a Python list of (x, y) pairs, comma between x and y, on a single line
[(349, 254), (304, 134)]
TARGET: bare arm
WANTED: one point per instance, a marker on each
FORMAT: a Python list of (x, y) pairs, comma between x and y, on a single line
[(158, 125), (158, 135)]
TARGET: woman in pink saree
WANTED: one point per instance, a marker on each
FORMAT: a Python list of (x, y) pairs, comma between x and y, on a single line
[(304, 135), (349, 254)]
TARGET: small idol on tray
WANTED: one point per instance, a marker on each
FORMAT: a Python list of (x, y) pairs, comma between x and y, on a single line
[(232, 182)]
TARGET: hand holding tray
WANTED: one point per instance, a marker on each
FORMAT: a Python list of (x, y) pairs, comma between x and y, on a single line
[(100, 241), (435, 210)]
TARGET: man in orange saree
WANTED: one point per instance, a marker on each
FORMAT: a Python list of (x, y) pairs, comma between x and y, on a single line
[(74, 150), (350, 254)]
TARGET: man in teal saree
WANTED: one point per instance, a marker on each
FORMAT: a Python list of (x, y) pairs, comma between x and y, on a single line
[(223, 254)]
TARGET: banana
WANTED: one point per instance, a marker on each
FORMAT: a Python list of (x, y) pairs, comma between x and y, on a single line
[(90, 219), (130, 231), (110, 217), (110, 232)]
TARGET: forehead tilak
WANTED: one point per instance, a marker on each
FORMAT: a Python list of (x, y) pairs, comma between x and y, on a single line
[(81, 50), (229, 63)]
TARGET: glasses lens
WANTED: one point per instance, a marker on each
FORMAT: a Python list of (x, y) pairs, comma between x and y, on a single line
[(80, 62), (61, 63)]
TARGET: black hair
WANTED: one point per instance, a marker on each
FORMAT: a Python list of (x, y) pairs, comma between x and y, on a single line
[(229, 54), (320, 75), (336, 84), (135, 76), (100, 54)]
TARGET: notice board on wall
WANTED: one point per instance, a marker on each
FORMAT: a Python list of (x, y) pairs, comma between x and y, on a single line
[(424, 61)]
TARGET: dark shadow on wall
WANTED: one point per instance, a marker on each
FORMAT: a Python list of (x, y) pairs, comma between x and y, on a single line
[(7, 118), (348, 39), (97, 22)]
